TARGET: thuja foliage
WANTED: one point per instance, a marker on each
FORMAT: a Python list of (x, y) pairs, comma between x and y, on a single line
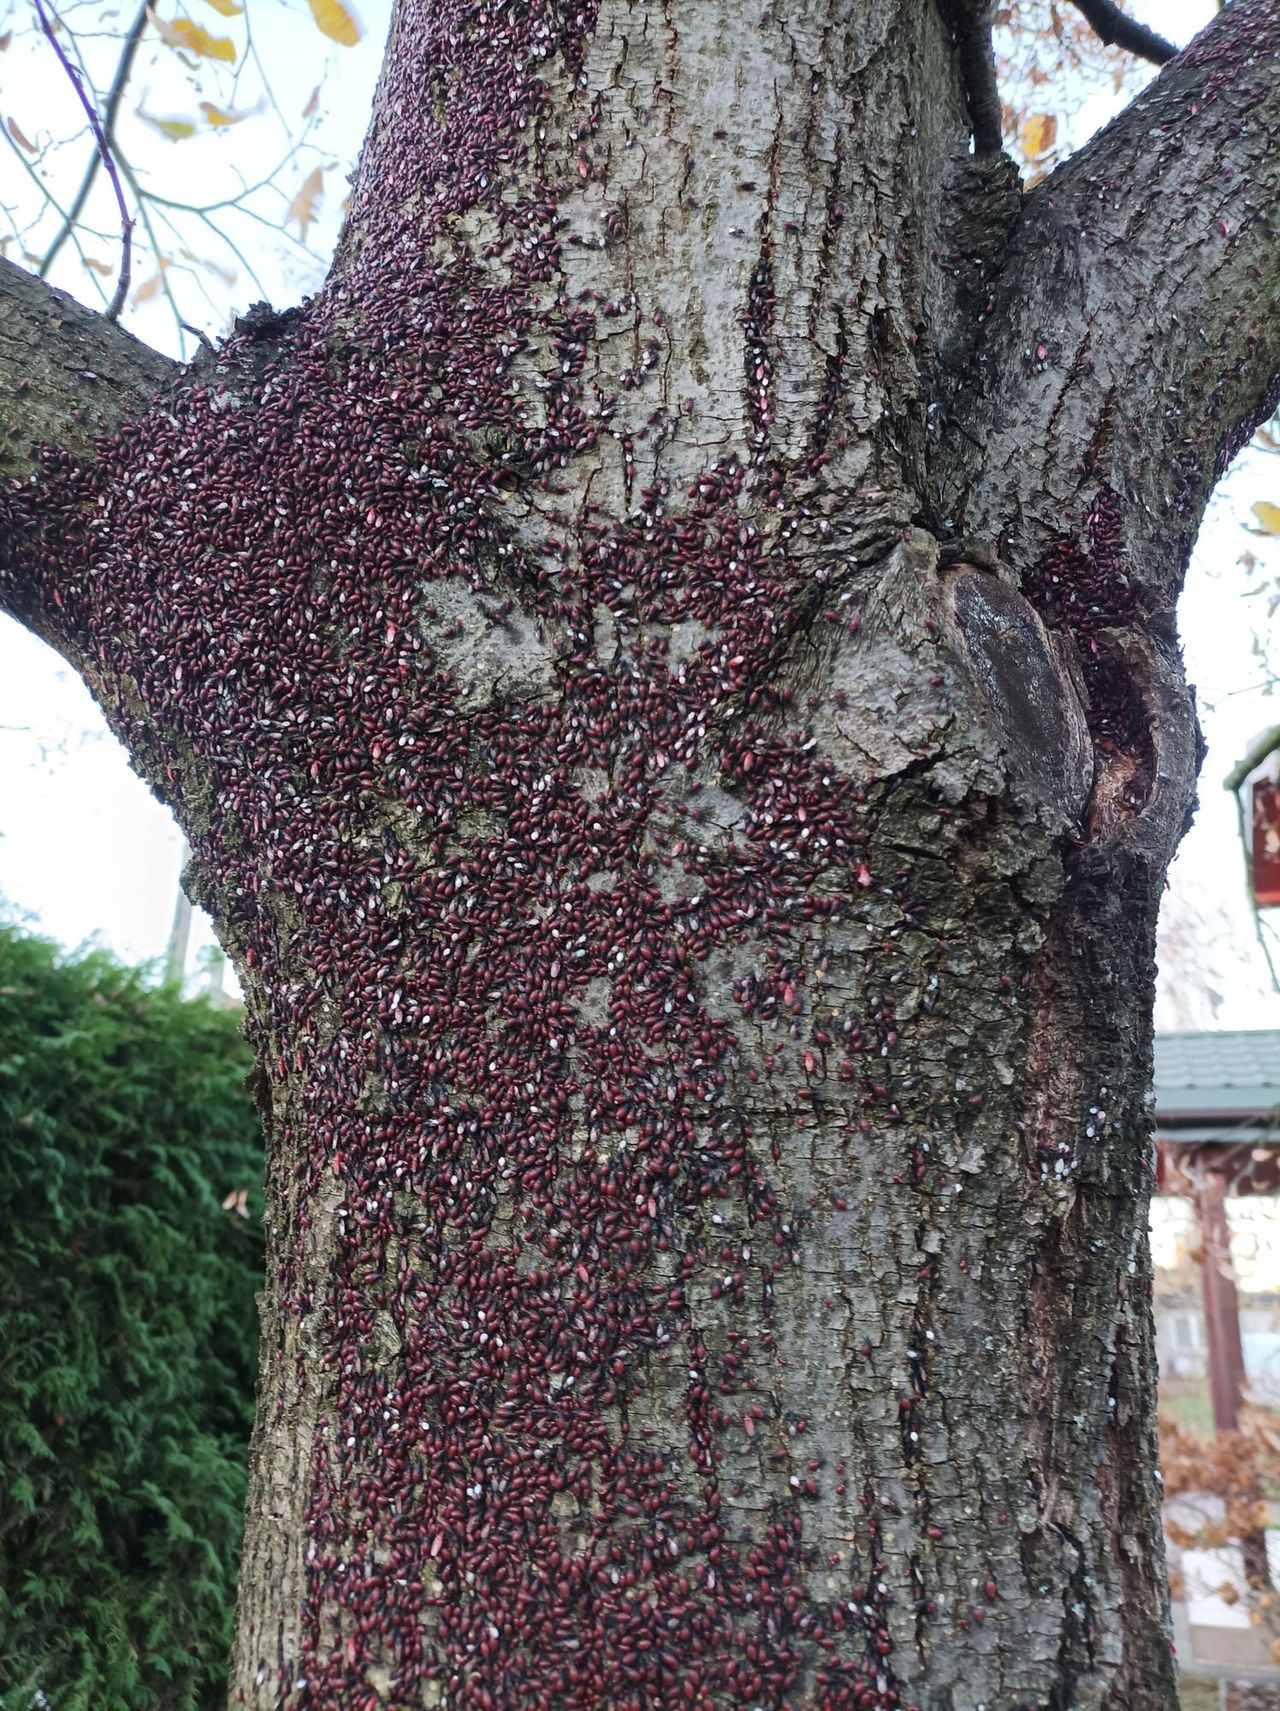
[(127, 1335)]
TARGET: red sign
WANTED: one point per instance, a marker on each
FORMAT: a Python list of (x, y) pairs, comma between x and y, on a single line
[(1266, 840)]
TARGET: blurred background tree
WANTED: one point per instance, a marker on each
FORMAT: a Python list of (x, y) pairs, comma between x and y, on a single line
[(130, 1254)]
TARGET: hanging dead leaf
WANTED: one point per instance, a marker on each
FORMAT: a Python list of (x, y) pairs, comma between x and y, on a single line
[(219, 117), (151, 287), (1038, 133), (103, 267), (187, 36), (19, 137), (5, 39), (306, 204), (227, 8), (1268, 516), (1228, 1593), (177, 130), (313, 101), (225, 274), (333, 20)]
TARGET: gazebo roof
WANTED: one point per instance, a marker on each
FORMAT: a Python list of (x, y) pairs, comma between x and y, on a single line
[(1209, 1086)]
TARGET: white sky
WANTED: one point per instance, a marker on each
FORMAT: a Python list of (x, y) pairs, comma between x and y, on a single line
[(86, 851)]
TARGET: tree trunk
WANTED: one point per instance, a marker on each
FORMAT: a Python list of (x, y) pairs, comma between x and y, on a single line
[(666, 667)]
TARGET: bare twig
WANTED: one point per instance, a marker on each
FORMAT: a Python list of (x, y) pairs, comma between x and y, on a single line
[(149, 229), (43, 188), (1111, 25), (31, 173), (237, 252), (110, 112), (126, 222), (1267, 683)]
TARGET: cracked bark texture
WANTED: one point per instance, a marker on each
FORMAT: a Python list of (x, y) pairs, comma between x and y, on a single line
[(66, 374), (667, 669)]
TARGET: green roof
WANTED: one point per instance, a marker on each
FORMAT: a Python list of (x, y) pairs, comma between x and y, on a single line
[(1217, 1078)]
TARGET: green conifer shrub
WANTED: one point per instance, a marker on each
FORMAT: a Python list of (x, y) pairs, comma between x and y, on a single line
[(127, 1334)]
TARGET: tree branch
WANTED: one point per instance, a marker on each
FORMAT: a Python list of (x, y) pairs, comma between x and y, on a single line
[(66, 374), (47, 24), (970, 24), (110, 113), (1111, 25), (1132, 341)]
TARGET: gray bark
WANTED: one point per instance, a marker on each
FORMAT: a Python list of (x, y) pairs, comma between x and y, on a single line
[(667, 670), (66, 374)]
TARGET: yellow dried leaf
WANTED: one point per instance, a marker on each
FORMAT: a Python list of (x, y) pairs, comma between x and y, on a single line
[(103, 267), (187, 36), (177, 130), (23, 141), (306, 204), (1268, 516), (1038, 133), (149, 288), (219, 116), (333, 20), (227, 8)]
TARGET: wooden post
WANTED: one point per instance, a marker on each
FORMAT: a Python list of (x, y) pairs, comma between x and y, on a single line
[(1221, 1302), (175, 957), (1222, 1332)]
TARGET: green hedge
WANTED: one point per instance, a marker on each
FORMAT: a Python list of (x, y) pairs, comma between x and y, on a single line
[(128, 1335)]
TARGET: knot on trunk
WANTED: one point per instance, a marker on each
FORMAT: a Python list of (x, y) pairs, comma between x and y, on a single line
[(1028, 679)]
